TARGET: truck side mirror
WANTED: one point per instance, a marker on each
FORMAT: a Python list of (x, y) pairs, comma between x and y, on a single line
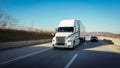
[(52, 33)]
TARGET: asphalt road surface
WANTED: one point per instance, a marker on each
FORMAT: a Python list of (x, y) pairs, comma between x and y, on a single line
[(86, 55)]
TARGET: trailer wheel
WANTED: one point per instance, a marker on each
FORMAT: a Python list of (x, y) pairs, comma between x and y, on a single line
[(84, 39)]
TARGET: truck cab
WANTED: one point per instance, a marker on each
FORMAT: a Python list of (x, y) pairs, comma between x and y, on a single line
[(67, 34)]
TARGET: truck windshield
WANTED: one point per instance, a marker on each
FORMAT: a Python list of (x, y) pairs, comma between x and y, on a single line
[(65, 29)]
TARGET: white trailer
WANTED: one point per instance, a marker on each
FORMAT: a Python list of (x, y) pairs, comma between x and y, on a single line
[(69, 34)]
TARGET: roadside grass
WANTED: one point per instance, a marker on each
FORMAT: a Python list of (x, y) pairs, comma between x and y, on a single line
[(21, 35)]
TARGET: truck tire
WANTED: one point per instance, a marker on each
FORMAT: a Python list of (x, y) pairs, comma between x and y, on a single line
[(73, 46), (55, 47)]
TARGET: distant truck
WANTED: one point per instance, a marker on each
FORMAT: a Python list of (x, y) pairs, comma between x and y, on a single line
[(69, 34)]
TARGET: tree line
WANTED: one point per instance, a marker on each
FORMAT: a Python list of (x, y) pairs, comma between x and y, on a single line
[(7, 21)]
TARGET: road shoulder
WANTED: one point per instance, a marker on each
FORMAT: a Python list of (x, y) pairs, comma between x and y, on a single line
[(113, 47)]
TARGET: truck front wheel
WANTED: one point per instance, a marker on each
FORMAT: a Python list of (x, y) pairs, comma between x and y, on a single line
[(55, 47), (73, 46)]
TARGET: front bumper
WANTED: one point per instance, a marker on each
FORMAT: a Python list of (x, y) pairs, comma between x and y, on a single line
[(62, 46)]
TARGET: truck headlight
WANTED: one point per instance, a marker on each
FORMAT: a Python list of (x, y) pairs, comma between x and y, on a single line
[(70, 40)]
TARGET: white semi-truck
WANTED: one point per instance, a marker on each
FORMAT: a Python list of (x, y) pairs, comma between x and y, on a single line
[(69, 34)]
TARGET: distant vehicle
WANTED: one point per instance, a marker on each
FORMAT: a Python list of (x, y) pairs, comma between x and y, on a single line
[(69, 34), (94, 39)]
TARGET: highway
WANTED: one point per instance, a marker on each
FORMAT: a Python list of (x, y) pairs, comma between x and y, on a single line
[(86, 55)]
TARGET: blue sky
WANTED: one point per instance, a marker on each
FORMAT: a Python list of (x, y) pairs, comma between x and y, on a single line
[(96, 15)]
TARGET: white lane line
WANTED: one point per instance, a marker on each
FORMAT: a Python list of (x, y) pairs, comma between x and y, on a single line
[(21, 57), (71, 61)]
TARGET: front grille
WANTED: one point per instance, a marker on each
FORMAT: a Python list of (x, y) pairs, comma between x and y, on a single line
[(60, 43), (60, 40)]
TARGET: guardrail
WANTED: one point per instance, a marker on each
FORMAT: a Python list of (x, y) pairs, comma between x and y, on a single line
[(116, 41), (15, 44)]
